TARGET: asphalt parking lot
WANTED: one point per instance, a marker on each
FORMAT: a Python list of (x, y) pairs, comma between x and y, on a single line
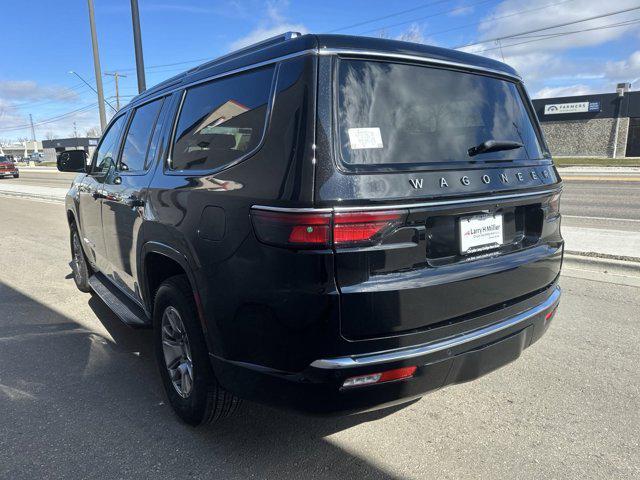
[(80, 395)]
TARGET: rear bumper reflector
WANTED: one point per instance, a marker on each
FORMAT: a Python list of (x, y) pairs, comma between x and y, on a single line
[(374, 378)]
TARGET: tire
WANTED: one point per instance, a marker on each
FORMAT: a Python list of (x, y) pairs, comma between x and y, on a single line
[(79, 264), (183, 358), (16, 175)]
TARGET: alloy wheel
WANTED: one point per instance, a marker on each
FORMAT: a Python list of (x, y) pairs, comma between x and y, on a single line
[(177, 352)]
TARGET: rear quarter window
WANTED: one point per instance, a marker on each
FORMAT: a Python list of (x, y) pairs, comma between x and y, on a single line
[(395, 114), (222, 121)]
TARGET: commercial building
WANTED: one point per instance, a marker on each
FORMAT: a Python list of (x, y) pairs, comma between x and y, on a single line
[(53, 147), (598, 125), (21, 150)]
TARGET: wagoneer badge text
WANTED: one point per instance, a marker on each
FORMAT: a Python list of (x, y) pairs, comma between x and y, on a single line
[(466, 181)]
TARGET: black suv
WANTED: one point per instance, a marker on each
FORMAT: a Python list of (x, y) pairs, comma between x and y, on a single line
[(322, 222)]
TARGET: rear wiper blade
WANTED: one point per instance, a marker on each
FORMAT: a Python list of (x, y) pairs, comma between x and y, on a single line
[(493, 146)]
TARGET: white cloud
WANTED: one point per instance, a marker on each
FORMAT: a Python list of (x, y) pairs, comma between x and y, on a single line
[(558, 12), (546, 64), (625, 70), (461, 11), (274, 24), (18, 98), (567, 91), (29, 90)]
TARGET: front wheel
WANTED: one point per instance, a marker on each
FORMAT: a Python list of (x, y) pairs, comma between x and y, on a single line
[(183, 357), (16, 175)]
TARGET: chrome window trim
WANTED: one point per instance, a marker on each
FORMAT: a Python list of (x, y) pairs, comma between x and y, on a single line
[(252, 66), (433, 347), (415, 58), (169, 170), (435, 203)]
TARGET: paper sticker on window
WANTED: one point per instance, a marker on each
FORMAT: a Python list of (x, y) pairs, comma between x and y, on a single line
[(365, 138)]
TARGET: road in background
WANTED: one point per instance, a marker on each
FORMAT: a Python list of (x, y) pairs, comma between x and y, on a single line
[(44, 177), (603, 201), (599, 205), (80, 394)]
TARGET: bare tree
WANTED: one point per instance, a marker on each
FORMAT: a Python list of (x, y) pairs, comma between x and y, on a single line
[(412, 34), (49, 135), (92, 132)]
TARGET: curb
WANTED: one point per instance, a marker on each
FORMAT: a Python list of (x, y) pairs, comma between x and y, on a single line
[(602, 262), (32, 196)]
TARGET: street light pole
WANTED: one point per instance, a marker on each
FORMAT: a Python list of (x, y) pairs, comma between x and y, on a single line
[(137, 42), (96, 66)]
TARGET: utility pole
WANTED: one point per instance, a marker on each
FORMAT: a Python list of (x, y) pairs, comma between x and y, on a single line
[(96, 66), (117, 75), (137, 43), (33, 130)]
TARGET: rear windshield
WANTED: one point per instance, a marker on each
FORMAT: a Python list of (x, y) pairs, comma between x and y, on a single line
[(394, 114)]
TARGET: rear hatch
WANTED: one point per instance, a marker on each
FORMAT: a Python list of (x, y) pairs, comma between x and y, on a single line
[(447, 199)]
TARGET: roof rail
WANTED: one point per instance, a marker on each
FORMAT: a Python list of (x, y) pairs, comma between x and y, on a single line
[(283, 37)]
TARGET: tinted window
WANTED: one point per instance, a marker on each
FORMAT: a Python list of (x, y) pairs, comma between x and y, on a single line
[(222, 120), (392, 113), (108, 150), (136, 143), (154, 145)]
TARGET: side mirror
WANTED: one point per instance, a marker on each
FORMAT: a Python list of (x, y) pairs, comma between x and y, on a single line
[(72, 161)]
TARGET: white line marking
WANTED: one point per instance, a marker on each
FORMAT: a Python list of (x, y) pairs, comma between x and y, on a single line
[(603, 218)]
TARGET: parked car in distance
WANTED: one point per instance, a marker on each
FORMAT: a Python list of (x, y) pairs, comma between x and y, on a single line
[(8, 168), (326, 223)]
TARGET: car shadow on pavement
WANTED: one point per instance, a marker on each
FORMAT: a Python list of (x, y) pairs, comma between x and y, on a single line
[(76, 402)]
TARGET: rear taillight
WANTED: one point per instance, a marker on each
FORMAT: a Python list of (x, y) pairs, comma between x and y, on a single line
[(364, 228), (324, 230), (286, 229), (373, 378)]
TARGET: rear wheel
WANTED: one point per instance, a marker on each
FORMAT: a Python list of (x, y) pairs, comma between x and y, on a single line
[(183, 357), (16, 175), (79, 264)]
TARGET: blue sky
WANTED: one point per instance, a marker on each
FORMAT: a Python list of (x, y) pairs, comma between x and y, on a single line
[(50, 39)]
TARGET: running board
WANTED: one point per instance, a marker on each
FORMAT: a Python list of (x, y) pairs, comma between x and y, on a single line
[(125, 308)]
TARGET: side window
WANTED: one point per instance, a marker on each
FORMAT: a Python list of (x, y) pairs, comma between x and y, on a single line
[(105, 156), (154, 144), (222, 120), (136, 143)]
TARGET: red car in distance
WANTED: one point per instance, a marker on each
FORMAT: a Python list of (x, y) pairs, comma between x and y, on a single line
[(8, 168)]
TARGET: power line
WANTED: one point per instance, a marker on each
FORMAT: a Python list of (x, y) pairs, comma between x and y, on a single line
[(204, 59), (548, 28), (149, 67), (462, 7), (611, 25), (52, 119), (391, 15), (493, 19), (562, 34)]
